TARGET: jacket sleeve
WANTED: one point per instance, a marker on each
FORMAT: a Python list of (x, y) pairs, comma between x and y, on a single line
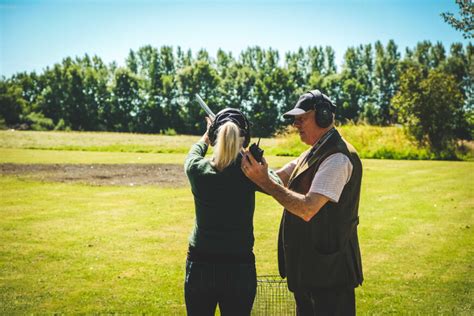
[(273, 176), (195, 156)]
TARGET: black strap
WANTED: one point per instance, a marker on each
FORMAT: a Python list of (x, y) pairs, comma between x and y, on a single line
[(319, 144)]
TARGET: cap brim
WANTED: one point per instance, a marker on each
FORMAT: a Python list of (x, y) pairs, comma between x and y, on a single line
[(293, 112)]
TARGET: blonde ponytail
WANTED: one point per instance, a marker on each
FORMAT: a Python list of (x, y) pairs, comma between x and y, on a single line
[(228, 144)]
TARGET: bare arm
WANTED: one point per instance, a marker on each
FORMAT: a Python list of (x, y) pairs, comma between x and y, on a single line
[(303, 206)]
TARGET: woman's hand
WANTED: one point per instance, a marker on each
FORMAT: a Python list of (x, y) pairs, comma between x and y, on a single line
[(205, 137)]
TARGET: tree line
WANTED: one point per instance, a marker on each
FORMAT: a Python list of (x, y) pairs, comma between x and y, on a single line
[(429, 90)]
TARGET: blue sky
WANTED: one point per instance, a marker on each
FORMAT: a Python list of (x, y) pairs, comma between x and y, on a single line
[(36, 34)]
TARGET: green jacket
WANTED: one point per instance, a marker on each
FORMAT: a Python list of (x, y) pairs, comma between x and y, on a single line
[(224, 205)]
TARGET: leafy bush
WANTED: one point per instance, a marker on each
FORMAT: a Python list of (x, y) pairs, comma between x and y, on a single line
[(38, 122), (61, 126), (431, 108), (170, 132), (3, 125)]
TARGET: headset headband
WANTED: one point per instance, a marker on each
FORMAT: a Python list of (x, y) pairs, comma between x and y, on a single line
[(321, 99), (230, 115)]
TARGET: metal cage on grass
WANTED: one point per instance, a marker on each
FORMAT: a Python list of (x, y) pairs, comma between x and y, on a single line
[(273, 297)]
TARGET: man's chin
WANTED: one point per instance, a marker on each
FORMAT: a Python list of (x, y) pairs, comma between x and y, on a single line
[(305, 140), (302, 136)]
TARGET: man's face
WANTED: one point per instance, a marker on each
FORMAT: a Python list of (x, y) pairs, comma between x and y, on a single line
[(306, 127)]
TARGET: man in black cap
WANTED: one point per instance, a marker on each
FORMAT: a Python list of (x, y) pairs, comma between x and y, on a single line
[(318, 247)]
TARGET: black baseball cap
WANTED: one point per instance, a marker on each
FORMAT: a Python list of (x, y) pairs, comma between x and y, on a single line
[(309, 101)]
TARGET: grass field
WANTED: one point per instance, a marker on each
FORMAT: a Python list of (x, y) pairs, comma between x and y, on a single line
[(75, 248), (371, 142)]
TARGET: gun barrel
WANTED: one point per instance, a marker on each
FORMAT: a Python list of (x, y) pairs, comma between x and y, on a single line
[(205, 107)]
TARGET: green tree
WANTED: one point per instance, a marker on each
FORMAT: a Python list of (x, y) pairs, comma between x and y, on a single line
[(75, 108), (469, 91), (386, 80), (465, 22), (229, 84), (297, 67), (430, 106), (97, 91), (31, 85), (125, 101), (132, 62), (150, 113), (11, 103), (437, 55), (51, 102), (459, 64), (354, 90), (315, 61), (329, 61), (223, 63), (270, 95), (183, 59), (200, 77), (144, 58), (422, 55), (237, 87)]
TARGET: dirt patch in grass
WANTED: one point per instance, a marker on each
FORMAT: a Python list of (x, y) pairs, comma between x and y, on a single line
[(166, 175)]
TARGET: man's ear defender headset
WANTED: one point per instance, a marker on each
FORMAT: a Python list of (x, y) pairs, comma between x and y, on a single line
[(234, 116), (322, 107)]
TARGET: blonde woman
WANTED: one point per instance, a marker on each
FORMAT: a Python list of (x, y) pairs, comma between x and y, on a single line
[(220, 267)]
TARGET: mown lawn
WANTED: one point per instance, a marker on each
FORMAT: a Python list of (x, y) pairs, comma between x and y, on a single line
[(71, 248)]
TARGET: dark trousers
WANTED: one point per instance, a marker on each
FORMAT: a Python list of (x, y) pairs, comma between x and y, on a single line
[(340, 301), (232, 286)]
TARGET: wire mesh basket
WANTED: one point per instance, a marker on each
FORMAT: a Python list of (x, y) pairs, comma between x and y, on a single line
[(273, 297)]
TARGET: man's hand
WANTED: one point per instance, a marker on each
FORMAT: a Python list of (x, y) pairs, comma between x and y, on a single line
[(255, 171), (303, 206)]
